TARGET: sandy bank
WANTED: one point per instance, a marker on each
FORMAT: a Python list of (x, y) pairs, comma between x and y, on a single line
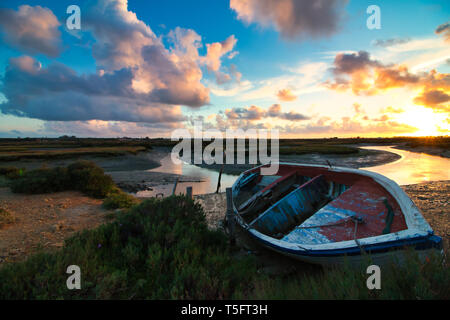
[(433, 151), (45, 220)]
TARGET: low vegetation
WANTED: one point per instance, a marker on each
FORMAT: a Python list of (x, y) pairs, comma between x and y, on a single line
[(159, 250), (117, 199), (69, 147), (318, 148), (162, 249), (84, 176), (65, 153), (11, 172)]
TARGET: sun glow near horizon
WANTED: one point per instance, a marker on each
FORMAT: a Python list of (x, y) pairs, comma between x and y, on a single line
[(428, 122)]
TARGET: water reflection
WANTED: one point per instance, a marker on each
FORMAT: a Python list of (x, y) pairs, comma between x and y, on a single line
[(412, 167), (207, 185)]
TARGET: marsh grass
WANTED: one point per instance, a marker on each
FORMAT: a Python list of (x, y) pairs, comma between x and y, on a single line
[(414, 278), (162, 249), (64, 153), (318, 148)]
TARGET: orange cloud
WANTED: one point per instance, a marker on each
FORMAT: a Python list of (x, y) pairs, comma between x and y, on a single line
[(286, 95), (390, 109), (364, 76)]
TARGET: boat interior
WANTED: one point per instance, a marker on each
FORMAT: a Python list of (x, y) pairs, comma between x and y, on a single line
[(315, 205)]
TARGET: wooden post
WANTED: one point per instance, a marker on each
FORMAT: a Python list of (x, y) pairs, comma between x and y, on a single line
[(189, 192), (230, 215), (220, 177), (174, 187)]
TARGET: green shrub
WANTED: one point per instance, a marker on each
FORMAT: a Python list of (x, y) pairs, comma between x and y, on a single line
[(42, 181), (84, 176), (160, 249), (119, 200), (87, 177), (11, 172)]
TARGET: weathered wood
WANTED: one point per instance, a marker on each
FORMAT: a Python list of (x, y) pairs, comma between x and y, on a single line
[(220, 177), (230, 214), (174, 187), (189, 192)]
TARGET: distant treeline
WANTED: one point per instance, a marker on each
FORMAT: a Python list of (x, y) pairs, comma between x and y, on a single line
[(65, 146), (86, 142)]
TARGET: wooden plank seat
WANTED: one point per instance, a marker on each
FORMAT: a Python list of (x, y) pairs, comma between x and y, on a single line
[(272, 191), (294, 208)]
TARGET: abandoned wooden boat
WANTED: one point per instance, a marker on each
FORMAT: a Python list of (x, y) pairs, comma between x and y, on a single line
[(325, 215)]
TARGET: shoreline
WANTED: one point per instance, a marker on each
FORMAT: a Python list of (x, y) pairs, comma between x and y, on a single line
[(432, 151), (365, 158), (132, 172)]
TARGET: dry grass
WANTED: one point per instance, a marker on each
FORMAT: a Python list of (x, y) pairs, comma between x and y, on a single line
[(16, 153)]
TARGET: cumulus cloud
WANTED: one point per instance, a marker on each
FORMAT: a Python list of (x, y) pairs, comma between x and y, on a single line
[(100, 128), (138, 78), (349, 63), (257, 113), (437, 99), (31, 29), (286, 95), (59, 93), (444, 30), (124, 41), (293, 18), (216, 50), (365, 76)]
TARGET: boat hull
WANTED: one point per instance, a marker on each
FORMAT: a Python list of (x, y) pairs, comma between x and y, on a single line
[(382, 248), (379, 254)]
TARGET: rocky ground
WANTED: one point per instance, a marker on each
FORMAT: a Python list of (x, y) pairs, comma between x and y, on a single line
[(433, 199)]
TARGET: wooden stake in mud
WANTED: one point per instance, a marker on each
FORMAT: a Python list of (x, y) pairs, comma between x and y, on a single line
[(175, 187), (230, 215), (220, 177), (189, 192)]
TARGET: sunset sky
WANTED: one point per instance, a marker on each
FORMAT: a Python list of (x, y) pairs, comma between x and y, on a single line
[(144, 68)]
